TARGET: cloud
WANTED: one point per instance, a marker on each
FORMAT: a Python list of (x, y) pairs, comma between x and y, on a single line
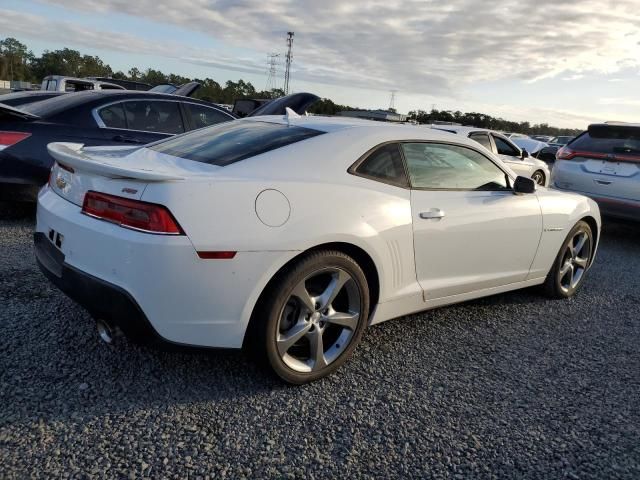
[(620, 101), (411, 45)]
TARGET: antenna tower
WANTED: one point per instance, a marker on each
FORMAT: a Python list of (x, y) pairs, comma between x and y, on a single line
[(289, 59)]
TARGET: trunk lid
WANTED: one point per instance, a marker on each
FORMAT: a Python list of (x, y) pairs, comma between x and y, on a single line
[(122, 171), (12, 113)]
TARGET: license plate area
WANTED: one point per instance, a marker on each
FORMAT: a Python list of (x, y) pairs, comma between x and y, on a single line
[(48, 254)]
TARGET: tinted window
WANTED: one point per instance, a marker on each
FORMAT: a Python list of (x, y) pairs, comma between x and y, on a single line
[(609, 140), (154, 116), (202, 116), (233, 141), (439, 166), (504, 148), (384, 164), (483, 139), (52, 85), (73, 86), (113, 116)]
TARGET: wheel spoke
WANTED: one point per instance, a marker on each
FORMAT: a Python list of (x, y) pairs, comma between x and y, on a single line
[(301, 293), (338, 280), (348, 320), (316, 349), (580, 245), (286, 341), (580, 262), (565, 269)]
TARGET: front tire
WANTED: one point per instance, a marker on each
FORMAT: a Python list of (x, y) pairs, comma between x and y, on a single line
[(568, 271), (314, 316), (539, 177)]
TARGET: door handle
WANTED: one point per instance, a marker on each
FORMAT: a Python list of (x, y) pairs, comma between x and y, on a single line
[(433, 213)]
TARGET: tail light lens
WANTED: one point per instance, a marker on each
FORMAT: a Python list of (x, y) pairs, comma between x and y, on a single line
[(565, 153), (135, 214), (7, 139)]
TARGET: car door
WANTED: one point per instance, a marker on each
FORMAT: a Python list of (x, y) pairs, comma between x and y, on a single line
[(138, 122), (512, 156), (471, 232)]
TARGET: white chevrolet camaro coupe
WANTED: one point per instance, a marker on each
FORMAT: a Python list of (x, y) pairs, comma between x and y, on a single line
[(290, 235)]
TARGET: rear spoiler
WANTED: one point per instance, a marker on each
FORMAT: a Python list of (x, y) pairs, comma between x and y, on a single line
[(72, 155), (7, 111)]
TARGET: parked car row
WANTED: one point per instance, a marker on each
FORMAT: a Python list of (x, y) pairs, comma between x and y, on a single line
[(112, 117)]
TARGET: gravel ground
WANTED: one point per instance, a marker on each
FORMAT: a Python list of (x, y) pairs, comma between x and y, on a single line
[(511, 386)]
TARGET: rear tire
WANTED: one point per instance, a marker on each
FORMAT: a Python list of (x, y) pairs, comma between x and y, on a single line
[(313, 317), (570, 266)]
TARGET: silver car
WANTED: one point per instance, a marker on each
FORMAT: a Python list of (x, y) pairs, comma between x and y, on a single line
[(603, 163), (520, 161)]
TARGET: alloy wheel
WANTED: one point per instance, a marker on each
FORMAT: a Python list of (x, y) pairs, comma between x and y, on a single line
[(318, 320), (575, 261), (538, 177)]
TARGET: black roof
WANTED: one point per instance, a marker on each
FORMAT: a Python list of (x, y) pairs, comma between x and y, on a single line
[(91, 98)]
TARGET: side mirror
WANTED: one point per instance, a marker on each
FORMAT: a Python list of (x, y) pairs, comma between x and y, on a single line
[(525, 154), (524, 185)]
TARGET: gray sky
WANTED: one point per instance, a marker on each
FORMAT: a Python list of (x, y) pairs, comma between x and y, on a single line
[(565, 63)]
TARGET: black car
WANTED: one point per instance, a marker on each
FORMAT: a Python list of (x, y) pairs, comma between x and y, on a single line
[(112, 117), (115, 117)]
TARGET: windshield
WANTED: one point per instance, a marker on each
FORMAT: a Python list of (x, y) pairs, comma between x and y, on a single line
[(233, 141)]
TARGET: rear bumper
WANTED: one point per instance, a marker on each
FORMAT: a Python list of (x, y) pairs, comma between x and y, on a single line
[(623, 209), (154, 279), (571, 176), (102, 299), (618, 208)]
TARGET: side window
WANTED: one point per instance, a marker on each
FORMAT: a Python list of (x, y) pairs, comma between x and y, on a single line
[(202, 116), (504, 148), (384, 164), (483, 139), (154, 116), (451, 167), (113, 116)]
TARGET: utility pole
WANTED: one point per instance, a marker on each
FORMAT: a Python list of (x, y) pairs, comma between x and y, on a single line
[(289, 58), (392, 101), (271, 74)]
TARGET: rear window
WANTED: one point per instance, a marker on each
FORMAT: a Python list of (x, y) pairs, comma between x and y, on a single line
[(233, 141), (609, 139)]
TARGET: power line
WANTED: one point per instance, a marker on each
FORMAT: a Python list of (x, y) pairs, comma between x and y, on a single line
[(271, 73), (289, 59)]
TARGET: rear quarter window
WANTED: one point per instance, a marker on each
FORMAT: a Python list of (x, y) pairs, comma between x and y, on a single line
[(231, 142)]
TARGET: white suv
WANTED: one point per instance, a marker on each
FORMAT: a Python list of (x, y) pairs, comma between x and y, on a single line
[(603, 163)]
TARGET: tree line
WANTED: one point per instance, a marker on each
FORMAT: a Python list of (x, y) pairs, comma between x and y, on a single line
[(17, 62), (482, 120)]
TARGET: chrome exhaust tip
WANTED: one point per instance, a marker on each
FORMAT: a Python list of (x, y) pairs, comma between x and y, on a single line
[(105, 332)]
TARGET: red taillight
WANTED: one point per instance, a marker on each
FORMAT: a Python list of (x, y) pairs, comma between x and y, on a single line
[(8, 139), (565, 153), (148, 217)]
